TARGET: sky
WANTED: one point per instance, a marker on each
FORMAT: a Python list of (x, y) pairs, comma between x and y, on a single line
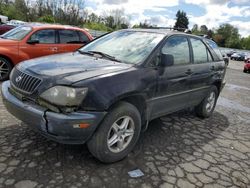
[(211, 13)]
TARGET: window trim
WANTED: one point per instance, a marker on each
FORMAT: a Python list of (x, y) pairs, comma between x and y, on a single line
[(55, 41)]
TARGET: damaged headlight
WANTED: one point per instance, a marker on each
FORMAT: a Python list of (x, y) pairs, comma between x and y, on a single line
[(64, 96)]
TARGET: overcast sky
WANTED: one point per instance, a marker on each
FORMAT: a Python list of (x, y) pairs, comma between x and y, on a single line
[(162, 12)]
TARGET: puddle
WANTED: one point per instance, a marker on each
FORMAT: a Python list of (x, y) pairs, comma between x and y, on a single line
[(235, 87), (232, 104)]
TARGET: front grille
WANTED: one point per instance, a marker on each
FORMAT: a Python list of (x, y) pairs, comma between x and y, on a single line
[(24, 82)]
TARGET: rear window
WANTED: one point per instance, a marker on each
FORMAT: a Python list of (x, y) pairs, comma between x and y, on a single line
[(83, 37), (215, 48)]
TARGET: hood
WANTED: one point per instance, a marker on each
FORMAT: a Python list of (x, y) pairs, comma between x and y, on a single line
[(71, 66), (7, 42)]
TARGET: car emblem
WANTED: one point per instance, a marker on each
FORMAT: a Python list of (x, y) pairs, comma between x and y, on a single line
[(19, 78)]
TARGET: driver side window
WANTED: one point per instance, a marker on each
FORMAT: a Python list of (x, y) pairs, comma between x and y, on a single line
[(178, 47), (44, 36)]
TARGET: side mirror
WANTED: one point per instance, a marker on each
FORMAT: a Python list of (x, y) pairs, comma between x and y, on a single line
[(226, 60), (33, 41), (167, 60)]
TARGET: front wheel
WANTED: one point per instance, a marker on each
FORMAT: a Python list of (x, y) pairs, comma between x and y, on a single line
[(117, 134), (5, 68), (207, 105)]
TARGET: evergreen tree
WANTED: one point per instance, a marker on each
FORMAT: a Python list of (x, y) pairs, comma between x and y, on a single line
[(181, 21)]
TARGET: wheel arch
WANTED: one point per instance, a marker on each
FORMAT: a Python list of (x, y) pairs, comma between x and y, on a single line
[(218, 84), (8, 58), (138, 100)]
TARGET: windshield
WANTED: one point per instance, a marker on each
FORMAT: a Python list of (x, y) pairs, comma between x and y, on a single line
[(18, 33), (126, 46)]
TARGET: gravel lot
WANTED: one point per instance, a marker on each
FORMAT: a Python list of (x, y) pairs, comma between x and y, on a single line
[(179, 150)]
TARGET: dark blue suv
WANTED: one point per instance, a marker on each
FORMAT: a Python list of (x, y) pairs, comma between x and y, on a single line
[(104, 93)]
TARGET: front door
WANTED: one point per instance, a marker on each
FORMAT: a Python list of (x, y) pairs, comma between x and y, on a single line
[(173, 81), (46, 44)]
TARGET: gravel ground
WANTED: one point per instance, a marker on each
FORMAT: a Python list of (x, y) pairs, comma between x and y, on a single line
[(178, 150)]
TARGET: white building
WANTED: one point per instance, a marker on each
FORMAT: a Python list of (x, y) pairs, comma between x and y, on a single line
[(4, 19)]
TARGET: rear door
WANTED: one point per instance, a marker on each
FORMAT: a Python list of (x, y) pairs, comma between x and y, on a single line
[(46, 44), (173, 81), (202, 70), (70, 40)]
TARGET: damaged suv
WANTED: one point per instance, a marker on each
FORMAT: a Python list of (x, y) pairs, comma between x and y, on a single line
[(104, 93)]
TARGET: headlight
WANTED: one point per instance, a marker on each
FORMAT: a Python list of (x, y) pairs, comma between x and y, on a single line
[(64, 96)]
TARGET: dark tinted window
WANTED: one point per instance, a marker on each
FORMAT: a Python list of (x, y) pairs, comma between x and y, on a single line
[(179, 48), (83, 37), (68, 36), (200, 51), (44, 36)]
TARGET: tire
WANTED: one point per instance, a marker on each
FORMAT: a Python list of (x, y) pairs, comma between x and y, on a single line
[(5, 68), (207, 105), (245, 71), (109, 153)]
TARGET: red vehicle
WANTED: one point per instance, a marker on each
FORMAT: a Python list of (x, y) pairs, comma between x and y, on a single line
[(247, 66), (4, 28), (36, 40)]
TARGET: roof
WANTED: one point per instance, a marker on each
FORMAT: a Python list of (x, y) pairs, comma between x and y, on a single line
[(54, 26), (165, 32)]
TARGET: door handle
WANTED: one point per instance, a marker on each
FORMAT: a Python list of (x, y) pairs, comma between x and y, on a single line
[(54, 49), (212, 68), (188, 72)]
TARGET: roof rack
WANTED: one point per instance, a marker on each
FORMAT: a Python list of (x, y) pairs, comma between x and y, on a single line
[(185, 30)]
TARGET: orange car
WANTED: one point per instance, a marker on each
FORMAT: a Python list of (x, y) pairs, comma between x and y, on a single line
[(36, 40)]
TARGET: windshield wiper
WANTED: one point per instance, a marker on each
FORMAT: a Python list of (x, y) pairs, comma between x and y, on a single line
[(87, 53), (104, 55)]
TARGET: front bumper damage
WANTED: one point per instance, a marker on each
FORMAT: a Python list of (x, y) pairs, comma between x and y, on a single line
[(55, 126)]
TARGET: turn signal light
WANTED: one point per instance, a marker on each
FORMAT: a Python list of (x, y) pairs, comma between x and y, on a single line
[(81, 125)]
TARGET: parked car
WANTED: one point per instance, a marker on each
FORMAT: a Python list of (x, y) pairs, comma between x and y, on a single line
[(247, 67), (238, 56), (230, 53), (5, 27), (36, 40), (106, 92), (247, 57)]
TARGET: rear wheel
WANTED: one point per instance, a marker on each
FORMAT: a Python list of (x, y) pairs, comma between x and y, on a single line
[(245, 71), (117, 134), (206, 107), (5, 68)]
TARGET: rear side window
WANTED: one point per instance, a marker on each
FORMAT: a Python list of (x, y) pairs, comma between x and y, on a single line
[(178, 47), (83, 37), (200, 51), (45, 36), (215, 48), (69, 37)]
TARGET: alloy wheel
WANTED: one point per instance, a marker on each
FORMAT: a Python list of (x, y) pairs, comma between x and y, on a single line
[(120, 134), (4, 69), (210, 102)]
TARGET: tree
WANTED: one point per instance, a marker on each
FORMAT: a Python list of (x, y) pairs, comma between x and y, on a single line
[(47, 19), (181, 21), (203, 29), (230, 36), (246, 43)]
